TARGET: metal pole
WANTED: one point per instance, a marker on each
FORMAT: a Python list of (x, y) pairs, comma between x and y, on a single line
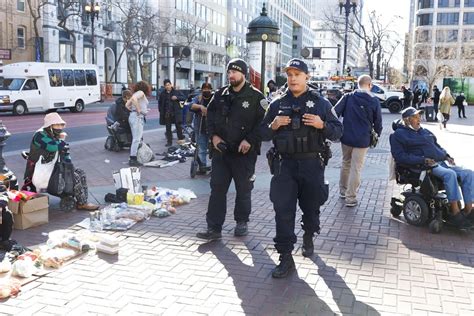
[(92, 35), (262, 68), (347, 8)]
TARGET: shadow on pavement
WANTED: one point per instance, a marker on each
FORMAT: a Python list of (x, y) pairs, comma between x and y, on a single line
[(341, 293), (282, 296)]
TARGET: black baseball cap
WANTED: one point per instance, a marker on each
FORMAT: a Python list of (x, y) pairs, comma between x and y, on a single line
[(298, 64), (410, 111)]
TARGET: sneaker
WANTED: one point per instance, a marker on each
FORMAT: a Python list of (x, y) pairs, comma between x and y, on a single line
[(209, 235), (351, 203), (342, 195), (470, 216), (286, 265), (308, 246), (459, 221), (241, 229)]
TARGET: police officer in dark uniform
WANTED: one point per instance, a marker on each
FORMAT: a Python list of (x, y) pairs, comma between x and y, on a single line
[(234, 116), (298, 123)]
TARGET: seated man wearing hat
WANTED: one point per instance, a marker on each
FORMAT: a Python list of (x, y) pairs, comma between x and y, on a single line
[(47, 141), (411, 144)]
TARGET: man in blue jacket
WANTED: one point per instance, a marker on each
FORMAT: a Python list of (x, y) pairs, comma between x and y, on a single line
[(361, 112), (413, 145)]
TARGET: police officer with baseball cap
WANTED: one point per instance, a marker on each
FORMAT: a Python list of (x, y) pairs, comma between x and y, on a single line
[(299, 122), (234, 116)]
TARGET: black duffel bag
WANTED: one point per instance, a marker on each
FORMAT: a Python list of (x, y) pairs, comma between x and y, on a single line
[(61, 182)]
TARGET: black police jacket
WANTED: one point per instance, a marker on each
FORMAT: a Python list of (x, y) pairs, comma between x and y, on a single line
[(236, 116), (309, 102)]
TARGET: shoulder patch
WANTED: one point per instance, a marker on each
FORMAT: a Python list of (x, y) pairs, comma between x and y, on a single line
[(264, 104)]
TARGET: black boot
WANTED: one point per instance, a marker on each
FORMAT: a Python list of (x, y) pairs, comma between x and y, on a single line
[(133, 162), (209, 235), (241, 229), (308, 247), (286, 265), (169, 143)]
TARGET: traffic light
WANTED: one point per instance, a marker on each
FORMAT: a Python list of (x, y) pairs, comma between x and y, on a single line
[(316, 52)]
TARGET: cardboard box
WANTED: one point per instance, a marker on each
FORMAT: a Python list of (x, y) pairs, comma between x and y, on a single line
[(32, 219), (128, 178), (33, 212)]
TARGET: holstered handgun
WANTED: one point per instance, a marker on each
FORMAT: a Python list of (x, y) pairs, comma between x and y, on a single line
[(274, 161)]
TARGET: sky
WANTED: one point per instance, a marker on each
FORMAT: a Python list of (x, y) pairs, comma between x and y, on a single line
[(388, 9)]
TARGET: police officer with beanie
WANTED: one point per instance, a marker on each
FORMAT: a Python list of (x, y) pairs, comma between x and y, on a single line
[(298, 123), (234, 116)]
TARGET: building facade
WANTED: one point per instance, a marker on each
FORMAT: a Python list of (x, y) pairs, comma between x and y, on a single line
[(443, 40), (17, 37)]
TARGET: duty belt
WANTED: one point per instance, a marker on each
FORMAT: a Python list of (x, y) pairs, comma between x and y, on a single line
[(312, 155)]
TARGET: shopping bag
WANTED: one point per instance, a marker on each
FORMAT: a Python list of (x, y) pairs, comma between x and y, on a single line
[(128, 178), (440, 116), (61, 181), (145, 153), (42, 172)]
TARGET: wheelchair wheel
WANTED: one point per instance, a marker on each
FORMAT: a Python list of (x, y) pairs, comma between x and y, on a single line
[(396, 207), (109, 143), (194, 168), (435, 226), (67, 203), (415, 210)]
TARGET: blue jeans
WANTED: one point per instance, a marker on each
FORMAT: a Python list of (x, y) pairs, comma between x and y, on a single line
[(449, 175), (136, 125), (202, 141)]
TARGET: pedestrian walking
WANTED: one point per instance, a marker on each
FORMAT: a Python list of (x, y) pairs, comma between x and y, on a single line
[(199, 106), (138, 107), (407, 97), (436, 94), (298, 123), (446, 100), (416, 96), (361, 112), (460, 100), (48, 142), (233, 119), (171, 113)]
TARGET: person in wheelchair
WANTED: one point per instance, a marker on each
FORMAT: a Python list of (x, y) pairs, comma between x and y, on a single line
[(118, 112), (48, 140), (413, 145)]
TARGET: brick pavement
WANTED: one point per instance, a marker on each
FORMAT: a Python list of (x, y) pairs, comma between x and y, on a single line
[(366, 262)]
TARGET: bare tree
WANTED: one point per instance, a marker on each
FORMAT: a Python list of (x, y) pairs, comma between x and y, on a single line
[(69, 16), (430, 70), (36, 15), (375, 36)]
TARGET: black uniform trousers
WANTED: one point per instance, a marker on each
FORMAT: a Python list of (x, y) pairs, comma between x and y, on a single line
[(302, 181), (225, 168)]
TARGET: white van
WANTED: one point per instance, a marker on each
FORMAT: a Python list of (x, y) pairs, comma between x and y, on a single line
[(30, 86)]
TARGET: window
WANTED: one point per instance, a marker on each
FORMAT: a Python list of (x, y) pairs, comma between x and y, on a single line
[(55, 78), (424, 19), (91, 78), (447, 36), (423, 36), (425, 4), (448, 3), (468, 18), (468, 3), (79, 77), (30, 84), (65, 50), (68, 77), (467, 52), (20, 35), (20, 5), (448, 18), (445, 53), (87, 55), (376, 89), (467, 35)]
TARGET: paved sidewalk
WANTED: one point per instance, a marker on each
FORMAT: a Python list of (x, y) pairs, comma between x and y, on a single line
[(366, 262)]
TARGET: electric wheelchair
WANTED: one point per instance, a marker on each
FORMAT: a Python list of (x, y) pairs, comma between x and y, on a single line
[(424, 201)]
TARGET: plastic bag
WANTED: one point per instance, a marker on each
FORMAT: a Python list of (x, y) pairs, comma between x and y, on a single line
[(440, 116), (23, 268), (5, 265), (42, 173), (10, 288), (145, 153)]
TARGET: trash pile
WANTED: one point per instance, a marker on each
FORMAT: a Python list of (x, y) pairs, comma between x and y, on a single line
[(20, 264)]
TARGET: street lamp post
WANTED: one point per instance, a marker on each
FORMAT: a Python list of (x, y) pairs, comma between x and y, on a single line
[(347, 5), (92, 11)]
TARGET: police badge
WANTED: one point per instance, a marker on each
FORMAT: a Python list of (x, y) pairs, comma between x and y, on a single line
[(245, 104), (309, 104)]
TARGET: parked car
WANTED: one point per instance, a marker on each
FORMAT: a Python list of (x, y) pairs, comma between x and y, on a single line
[(390, 99)]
